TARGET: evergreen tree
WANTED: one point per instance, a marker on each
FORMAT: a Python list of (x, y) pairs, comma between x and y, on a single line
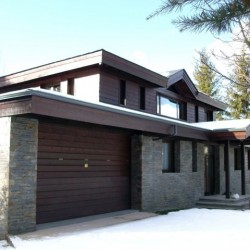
[(209, 15), (207, 82), (238, 94)]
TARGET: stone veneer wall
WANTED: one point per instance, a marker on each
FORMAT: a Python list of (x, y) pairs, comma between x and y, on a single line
[(166, 191), (5, 128), (19, 173)]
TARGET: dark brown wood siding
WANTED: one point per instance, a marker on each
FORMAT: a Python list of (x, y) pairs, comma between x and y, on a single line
[(81, 171), (202, 115), (109, 93), (190, 112)]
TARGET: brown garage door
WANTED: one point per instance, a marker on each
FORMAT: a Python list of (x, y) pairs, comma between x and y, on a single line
[(81, 171)]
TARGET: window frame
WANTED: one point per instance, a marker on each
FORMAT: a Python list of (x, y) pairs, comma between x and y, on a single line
[(181, 113)]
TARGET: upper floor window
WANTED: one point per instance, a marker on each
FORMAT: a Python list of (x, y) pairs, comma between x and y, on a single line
[(171, 108), (142, 98), (55, 87), (210, 116), (196, 113), (122, 92), (70, 86)]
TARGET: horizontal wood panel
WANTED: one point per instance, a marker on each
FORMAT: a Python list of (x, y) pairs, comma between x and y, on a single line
[(81, 203), (62, 214), (84, 197), (76, 174), (66, 187), (75, 183), (81, 192)]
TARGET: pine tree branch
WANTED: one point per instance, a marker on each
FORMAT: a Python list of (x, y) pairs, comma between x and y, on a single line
[(210, 15)]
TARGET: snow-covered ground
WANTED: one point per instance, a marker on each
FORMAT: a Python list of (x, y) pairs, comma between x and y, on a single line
[(188, 229)]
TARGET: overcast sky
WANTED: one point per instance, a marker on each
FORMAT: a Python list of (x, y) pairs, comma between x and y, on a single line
[(38, 32)]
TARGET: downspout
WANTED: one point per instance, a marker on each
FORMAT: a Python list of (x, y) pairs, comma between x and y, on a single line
[(243, 170), (227, 168)]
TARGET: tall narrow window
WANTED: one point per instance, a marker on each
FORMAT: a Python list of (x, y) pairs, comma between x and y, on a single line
[(122, 92), (237, 159), (142, 98), (196, 113), (194, 156), (168, 164), (210, 116), (71, 86)]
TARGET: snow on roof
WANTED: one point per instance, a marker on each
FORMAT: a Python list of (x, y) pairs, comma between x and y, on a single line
[(230, 125), (95, 104)]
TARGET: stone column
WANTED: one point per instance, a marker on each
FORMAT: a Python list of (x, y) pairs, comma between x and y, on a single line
[(22, 175), (5, 128)]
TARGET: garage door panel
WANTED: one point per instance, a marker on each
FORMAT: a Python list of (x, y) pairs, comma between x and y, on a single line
[(56, 215), (67, 188), (85, 198), (94, 181), (80, 192), (77, 174)]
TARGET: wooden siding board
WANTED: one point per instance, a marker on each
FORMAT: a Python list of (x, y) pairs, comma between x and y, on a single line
[(15, 107), (190, 112)]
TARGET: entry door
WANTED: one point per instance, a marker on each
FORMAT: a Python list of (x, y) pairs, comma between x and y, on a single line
[(211, 170)]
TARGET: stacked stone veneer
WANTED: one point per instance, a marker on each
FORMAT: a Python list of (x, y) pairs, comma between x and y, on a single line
[(18, 168), (154, 190)]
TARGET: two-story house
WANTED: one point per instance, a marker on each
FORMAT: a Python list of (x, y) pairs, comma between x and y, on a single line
[(97, 133)]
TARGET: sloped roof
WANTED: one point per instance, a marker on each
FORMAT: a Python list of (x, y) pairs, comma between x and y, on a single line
[(179, 79), (99, 57), (178, 75)]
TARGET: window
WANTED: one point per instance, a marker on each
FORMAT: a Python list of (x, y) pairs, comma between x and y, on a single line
[(237, 159), (168, 153), (196, 113), (210, 116), (122, 92), (194, 156), (142, 98), (55, 87), (70, 89), (171, 108)]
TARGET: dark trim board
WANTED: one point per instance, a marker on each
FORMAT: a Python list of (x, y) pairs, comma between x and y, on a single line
[(45, 103)]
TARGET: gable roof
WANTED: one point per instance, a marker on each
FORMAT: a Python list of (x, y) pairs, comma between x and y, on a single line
[(180, 81), (181, 77), (99, 57)]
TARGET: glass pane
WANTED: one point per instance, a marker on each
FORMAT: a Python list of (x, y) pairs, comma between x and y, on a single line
[(169, 108), (167, 157)]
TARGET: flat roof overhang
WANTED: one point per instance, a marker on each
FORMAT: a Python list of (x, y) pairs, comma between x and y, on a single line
[(49, 104), (100, 57)]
